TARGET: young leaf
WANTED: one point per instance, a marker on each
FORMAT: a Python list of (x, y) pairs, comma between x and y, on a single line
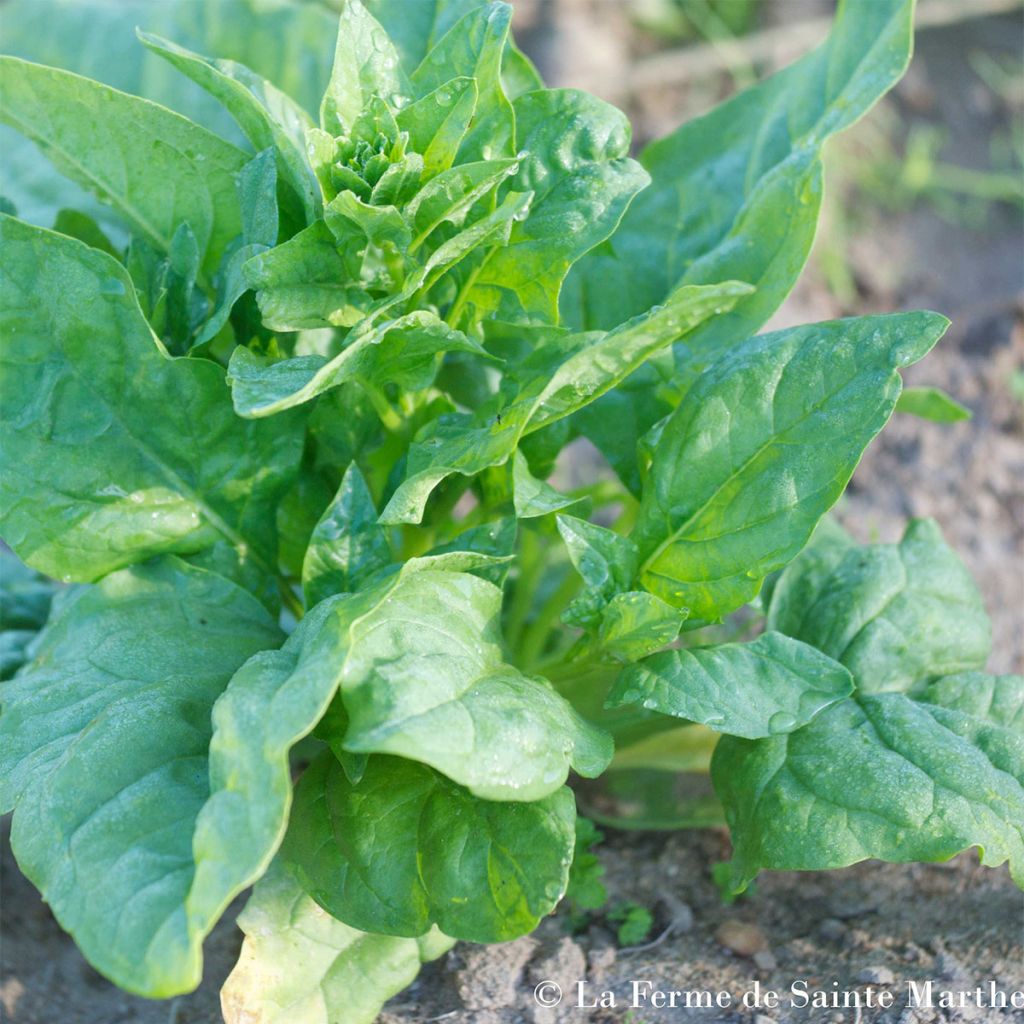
[(635, 624), (772, 685), (605, 560), (761, 448), (299, 965), (269, 118), (405, 849), (103, 755), (881, 776), (932, 404), (735, 194), (365, 66), (473, 48), (437, 123), (893, 614), (93, 479), (347, 544), (496, 538), (532, 497), (142, 147)]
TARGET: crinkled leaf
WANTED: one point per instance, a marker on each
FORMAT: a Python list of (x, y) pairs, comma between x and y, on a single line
[(141, 148), (735, 193), (893, 614), (304, 283), (424, 678), (405, 351), (995, 699), (347, 544), (635, 624), (299, 965), (880, 777), (932, 404), (103, 754), (772, 685), (605, 560), (405, 849), (575, 159), (762, 446), (269, 118), (113, 451), (365, 66)]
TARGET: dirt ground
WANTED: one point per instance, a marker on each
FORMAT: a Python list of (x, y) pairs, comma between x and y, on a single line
[(874, 924)]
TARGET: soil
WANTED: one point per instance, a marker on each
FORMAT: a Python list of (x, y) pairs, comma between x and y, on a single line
[(876, 925)]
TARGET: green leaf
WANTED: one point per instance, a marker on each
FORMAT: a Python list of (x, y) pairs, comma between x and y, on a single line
[(79, 225), (558, 378), (605, 560), (932, 404), (25, 598), (437, 123), (880, 777), (424, 678), (772, 685), (269, 118), (995, 699), (473, 48), (103, 754), (113, 451), (347, 544), (635, 624), (405, 849), (365, 66), (575, 159), (304, 283), (143, 146), (532, 497), (762, 446), (894, 614), (496, 538), (299, 965), (735, 193), (405, 351)]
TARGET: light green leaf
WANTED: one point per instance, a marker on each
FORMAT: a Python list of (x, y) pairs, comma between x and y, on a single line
[(532, 497), (103, 754), (109, 453), (635, 624), (880, 777), (304, 283), (772, 685), (605, 560), (405, 351), (558, 378), (347, 544), (995, 699), (424, 678), (142, 147), (932, 404), (437, 123), (575, 159), (735, 193), (496, 538), (299, 965), (365, 65), (894, 614), (473, 48), (405, 849), (761, 447), (269, 118)]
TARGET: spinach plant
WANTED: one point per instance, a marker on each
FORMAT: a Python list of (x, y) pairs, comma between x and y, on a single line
[(280, 448)]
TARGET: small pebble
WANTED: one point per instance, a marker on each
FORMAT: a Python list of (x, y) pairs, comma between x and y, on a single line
[(876, 976), (831, 929), (764, 960), (741, 938), (763, 1018)]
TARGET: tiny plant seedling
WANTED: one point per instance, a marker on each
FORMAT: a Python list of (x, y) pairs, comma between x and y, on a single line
[(285, 439)]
